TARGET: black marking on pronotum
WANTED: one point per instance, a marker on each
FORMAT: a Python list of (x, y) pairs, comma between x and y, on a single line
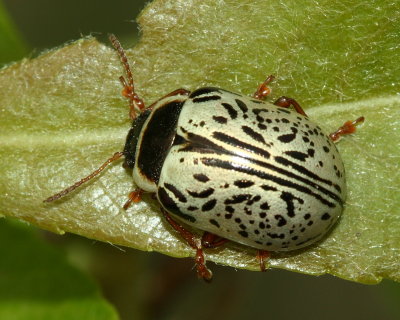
[(232, 112), (266, 176), (201, 177), (243, 183), (154, 147), (202, 91), (203, 194), (301, 156), (209, 205), (179, 195), (255, 135), (171, 206), (206, 99), (220, 119), (306, 172), (241, 105), (238, 143)]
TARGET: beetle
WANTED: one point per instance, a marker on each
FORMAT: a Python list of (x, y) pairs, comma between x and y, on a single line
[(235, 167)]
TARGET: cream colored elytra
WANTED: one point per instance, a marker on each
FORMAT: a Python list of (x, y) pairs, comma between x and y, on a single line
[(245, 170)]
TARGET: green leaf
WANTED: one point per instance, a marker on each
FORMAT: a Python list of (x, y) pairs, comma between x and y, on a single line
[(36, 282), (12, 47), (62, 116)]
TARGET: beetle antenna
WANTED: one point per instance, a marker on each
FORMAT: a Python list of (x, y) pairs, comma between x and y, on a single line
[(128, 91), (56, 196)]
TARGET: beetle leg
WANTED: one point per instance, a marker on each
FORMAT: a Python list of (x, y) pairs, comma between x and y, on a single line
[(128, 91), (262, 255), (348, 128), (286, 102), (263, 90), (202, 270), (134, 196), (210, 240)]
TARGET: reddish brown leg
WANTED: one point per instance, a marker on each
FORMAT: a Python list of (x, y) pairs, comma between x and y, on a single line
[(262, 255), (202, 271), (210, 240), (348, 128), (263, 90), (136, 104), (286, 102), (134, 196)]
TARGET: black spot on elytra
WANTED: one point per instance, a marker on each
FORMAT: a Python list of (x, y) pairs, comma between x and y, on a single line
[(262, 126), (243, 183), (287, 138), (206, 99), (228, 215), (219, 119), (214, 222), (229, 209), (179, 195), (192, 208), (307, 216), (170, 205), (242, 226), (326, 216), (301, 156), (203, 194), (268, 188), (281, 220), (231, 111), (289, 199), (326, 149), (201, 177), (238, 199), (209, 205), (238, 220), (265, 206), (241, 105), (252, 134), (243, 233)]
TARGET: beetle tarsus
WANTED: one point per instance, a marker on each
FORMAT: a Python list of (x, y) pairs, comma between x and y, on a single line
[(348, 127)]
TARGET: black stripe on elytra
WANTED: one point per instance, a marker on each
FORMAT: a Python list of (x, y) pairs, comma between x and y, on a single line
[(206, 99), (179, 195), (212, 162), (232, 112), (255, 135), (241, 105), (202, 91), (306, 172), (243, 145), (203, 194)]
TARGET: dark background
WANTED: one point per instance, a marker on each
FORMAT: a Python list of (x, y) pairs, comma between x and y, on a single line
[(145, 285)]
